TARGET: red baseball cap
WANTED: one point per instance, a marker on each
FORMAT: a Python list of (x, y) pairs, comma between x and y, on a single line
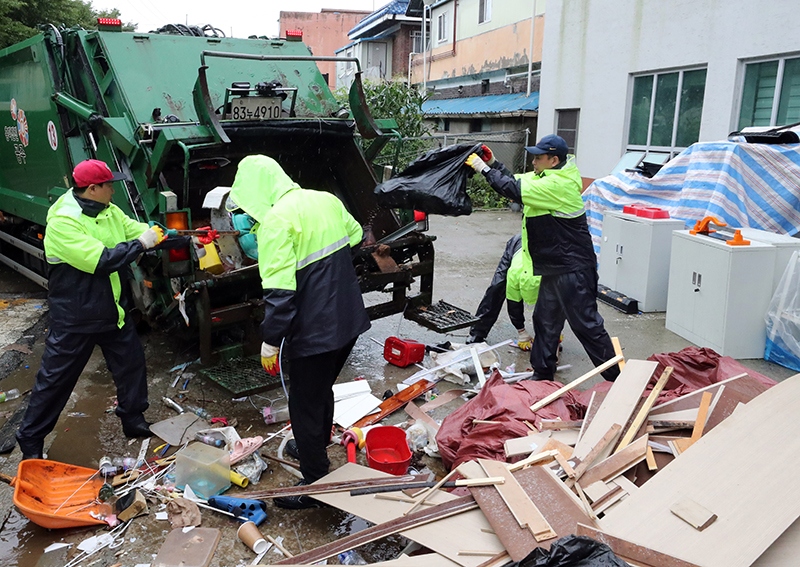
[(95, 172)]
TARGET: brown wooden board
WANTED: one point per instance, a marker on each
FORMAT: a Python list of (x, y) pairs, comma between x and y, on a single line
[(631, 552), (617, 463), (561, 511)]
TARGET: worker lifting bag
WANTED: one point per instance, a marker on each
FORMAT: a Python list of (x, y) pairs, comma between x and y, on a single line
[(783, 319), (435, 183)]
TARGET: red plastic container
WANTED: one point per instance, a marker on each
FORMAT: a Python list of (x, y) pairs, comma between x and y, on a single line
[(631, 209), (403, 352), (387, 450), (652, 213)]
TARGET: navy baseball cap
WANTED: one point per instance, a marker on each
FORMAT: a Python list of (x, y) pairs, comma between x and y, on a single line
[(551, 144)]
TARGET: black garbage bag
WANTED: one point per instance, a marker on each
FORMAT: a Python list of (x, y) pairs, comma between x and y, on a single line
[(572, 551), (435, 183)]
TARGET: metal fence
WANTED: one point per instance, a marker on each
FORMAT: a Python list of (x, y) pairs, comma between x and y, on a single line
[(508, 147)]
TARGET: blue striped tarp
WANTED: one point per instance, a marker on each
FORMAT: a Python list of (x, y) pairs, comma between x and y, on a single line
[(744, 185)]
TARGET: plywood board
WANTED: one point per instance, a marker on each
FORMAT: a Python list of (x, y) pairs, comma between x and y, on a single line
[(753, 509), (630, 552), (617, 407), (445, 536), (526, 445), (349, 410), (617, 463)]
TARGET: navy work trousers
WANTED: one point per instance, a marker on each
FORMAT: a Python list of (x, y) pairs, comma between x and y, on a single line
[(311, 407), (569, 297), (65, 356)]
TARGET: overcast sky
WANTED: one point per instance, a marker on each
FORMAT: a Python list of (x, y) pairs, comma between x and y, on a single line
[(244, 17)]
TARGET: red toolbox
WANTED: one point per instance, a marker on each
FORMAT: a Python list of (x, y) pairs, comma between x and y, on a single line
[(403, 352)]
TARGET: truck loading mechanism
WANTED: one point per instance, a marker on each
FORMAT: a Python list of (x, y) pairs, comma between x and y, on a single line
[(140, 103)]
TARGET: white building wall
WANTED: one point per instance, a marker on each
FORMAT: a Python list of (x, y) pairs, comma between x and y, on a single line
[(591, 47)]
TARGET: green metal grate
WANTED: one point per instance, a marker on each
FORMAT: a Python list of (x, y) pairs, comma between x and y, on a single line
[(442, 317), (241, 376)]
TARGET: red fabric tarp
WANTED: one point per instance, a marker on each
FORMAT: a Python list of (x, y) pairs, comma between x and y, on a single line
[(461, 440)]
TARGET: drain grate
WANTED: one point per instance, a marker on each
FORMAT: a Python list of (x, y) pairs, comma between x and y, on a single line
[(241, 376), (442, 317)]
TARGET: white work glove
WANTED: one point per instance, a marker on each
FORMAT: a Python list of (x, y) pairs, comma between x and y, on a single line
[(270, 359), (524, 340), (152, 236), (477, 163)]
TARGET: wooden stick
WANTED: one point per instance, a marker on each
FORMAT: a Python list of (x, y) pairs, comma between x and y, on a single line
[(618, 351), (565, 465), (482, 553), (282, 461), (670, 424), (530, 425), (642, 415), (480, 481), (604, 442), (702, 414), (651, 459), (429, 492), (282, 549), (477, 421), (586, 505), (577, 382), (532, 460), (399, 498)]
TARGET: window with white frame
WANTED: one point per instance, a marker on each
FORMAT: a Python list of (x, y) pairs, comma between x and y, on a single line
[(567, 127), (441, 28), (484, 11), (416, 41), (665, 110), (771, 93)]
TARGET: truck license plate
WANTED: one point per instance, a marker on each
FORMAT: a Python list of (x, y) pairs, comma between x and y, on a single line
[(255, 108)]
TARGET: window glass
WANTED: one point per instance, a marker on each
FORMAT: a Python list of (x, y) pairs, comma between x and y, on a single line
[(664, 109), (640, 110), (758, 94), (693, 89), (567, 127), (789, 106)]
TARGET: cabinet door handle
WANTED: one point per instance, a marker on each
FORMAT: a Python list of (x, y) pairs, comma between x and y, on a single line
[(699, 280), (694, 278)]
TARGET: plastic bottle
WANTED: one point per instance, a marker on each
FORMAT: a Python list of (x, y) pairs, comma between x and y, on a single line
[(197, 411), (276, 414), (351, 557), (124, 463), (209, 440), (107, 467), (8, 395)]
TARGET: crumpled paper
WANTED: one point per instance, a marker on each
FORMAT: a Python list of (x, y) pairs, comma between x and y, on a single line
[(183, 513)]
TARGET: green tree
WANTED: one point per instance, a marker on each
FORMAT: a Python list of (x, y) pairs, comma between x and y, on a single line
[(19, 18)]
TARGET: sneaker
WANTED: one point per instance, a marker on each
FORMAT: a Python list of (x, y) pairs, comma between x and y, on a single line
[(291, 449), (298, 502)]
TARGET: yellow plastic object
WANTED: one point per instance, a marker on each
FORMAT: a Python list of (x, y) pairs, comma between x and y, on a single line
[(210, 262), (239, 480)]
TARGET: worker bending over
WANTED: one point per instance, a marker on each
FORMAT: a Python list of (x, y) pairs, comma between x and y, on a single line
[(89, 244), (513, 282), (312, 299), (556, 235)]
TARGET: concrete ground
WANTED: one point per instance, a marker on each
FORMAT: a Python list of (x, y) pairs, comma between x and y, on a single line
[(467, 252)]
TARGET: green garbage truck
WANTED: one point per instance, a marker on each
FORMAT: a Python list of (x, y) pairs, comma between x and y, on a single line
[(177, 113)]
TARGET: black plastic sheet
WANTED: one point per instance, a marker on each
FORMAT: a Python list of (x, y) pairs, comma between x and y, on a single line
[(572, 551), (435, 183)]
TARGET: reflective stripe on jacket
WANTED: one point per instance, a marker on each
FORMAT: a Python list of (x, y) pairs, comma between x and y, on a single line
[(86, 255)]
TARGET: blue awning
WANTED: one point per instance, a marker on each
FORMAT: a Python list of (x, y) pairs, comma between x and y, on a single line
[(513, 103)]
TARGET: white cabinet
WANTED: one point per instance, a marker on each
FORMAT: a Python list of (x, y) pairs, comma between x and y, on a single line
[(634, 257), (719, 294)]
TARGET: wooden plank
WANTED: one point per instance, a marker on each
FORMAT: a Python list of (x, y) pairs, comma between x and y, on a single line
[(525, 445), (693, 514), (345, 485), (577, 382), (642, 415), (616, 490), (651, 459), (565, 436), (631, 552), (444, 537), (379, 531), (617, 463), (425, 494), (742, 384), (561, 511), (601, 446), (557, 424), (699, 425), (618, 351), (753, 510), (521, 507), (618, 406), (396, 402), (538, 459)]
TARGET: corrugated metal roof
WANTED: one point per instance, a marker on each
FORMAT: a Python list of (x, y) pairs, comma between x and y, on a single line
[(394, 7), (489, 104)]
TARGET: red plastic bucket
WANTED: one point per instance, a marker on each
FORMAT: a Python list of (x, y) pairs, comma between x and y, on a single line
[(403, 352), (387, 449)]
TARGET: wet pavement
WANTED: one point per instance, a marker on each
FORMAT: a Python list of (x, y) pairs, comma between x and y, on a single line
[(467, 252)]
